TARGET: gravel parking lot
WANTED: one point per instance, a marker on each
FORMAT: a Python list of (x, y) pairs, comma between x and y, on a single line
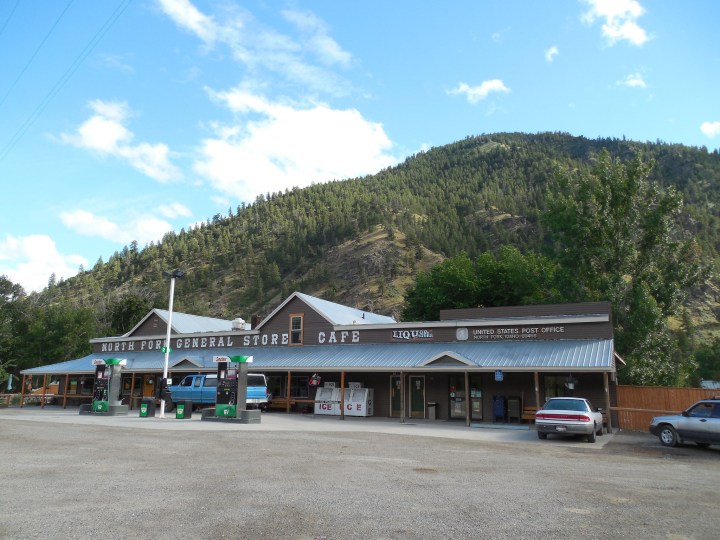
[(81, 476)]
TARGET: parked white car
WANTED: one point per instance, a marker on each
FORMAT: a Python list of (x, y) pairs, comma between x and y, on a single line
[(569, 416)]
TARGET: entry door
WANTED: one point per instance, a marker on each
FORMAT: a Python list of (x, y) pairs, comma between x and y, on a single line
[(395, 396), (417, 396)]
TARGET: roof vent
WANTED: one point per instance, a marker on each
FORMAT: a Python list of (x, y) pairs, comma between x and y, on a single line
[(238, 324)]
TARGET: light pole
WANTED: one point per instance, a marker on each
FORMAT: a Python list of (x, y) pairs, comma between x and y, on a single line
[(163, 384)]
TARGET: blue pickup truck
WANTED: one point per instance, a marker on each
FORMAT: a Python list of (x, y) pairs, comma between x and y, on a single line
[(202, 390)]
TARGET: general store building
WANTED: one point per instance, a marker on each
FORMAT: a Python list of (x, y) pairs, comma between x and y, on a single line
[(473, 365)]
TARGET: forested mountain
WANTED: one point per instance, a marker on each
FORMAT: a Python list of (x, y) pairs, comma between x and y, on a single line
[(359, 242)]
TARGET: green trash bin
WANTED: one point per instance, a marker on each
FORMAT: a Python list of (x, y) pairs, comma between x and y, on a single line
[(183, 410), (147, 408), (99, 406)]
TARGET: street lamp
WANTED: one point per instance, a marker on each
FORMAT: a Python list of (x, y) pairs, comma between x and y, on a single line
[(172, 275)]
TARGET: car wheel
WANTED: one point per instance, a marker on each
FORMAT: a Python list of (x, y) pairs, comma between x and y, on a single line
[(600, 432), (541, 435), (592, 436), (668, 436)]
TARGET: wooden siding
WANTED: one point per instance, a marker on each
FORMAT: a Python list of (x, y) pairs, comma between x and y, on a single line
[(636, 405), (313, 323), (153, 326)]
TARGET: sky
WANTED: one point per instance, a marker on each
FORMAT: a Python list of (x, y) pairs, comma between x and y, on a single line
[(123, 120)]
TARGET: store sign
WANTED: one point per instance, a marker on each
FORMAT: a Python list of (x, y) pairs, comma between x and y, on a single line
[(517, 333), (410, 335)]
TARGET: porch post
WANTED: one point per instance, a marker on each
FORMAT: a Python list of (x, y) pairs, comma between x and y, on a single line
[(537, 390), (42, 405), (287, 393), (67, 383), (607, 401), (342, 395), (402, 397), (468, 412), (22, 392), (132, 391)]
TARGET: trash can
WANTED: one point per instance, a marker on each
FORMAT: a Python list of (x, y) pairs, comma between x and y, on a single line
[(513, 408), (147, 408), (183, 410), (432, 410)]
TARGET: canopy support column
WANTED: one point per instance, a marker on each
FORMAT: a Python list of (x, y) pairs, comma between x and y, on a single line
[(342, 395), (607, 401), (65, 393), (287, 393), (468, 403), (22, 392), (42, 405), (537, 390), (402, 397), (132, 391)]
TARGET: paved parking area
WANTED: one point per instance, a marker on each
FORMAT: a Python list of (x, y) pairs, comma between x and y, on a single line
[(293, 476)]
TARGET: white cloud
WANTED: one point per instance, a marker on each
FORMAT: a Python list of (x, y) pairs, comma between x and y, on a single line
[(105, 134), (711, 129), (276, 146), (317, 38), (620, 20), (143, 229), (634, 80), (475, 94), (551, 53), (31, 260), (304, 59), (174, 210), (189, 17)]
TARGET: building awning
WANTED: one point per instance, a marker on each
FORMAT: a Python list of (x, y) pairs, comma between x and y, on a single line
[(551, 355)]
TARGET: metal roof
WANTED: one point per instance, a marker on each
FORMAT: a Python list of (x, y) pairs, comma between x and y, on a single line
[(183, 323), (335, 314), (555, 355)]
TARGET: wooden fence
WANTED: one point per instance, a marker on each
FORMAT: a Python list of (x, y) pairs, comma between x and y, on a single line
[(636, 405)]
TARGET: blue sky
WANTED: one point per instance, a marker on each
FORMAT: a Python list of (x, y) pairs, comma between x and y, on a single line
[(122, 120)]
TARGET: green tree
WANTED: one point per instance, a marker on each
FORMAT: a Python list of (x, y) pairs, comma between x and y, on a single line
[(617, 236), (508, 279), (450, 284), (12, 298)]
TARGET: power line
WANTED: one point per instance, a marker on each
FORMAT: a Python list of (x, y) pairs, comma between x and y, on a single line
[(65, 77), (12, 11), (27, 65)]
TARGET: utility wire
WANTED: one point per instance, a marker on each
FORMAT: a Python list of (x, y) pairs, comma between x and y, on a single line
[(12, 11), (27, 65), (64, 78)]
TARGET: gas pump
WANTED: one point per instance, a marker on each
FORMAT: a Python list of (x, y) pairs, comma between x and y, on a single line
[(107, 386), (231, 397)]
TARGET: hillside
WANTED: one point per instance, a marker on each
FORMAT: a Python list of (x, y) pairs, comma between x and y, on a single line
[(361, 241)]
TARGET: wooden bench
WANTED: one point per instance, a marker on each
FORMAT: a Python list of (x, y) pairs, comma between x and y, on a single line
[(528, 414), (282, 403)]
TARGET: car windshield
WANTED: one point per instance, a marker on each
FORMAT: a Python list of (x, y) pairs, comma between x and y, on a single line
[(256, 380), (565, 405)]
